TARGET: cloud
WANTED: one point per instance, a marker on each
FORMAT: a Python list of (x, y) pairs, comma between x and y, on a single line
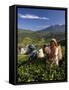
[(43, 26), (30, 16)]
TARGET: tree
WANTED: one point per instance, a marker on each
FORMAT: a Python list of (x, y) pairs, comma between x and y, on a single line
[(27, 41), (41, 42)]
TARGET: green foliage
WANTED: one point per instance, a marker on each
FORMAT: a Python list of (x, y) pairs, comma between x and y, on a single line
[(41, 42), (55, 31), (27, 41), (22, 58), (62, 42), (39, 70)]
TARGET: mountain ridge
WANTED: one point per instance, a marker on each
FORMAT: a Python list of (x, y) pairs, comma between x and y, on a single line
[(47, 28), (55, 31)]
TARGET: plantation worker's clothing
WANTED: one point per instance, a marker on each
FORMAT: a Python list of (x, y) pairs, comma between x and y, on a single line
[(23, 50), (40, 53), (55, 55), (59, 53), (33, 54)]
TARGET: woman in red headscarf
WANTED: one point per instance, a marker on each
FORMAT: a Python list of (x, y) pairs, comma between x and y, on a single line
[(55, 52)]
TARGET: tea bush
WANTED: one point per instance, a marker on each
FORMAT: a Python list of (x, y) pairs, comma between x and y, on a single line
[(39, 70)]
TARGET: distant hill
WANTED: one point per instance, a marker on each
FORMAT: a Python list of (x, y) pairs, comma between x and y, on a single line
[(54, 28), (24, 31), (55, 31)]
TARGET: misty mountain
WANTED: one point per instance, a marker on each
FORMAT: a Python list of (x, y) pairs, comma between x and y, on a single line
[(55, 31), (54, 28)]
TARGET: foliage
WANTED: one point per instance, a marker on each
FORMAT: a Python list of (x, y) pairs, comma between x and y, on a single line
[(54, 31), (39, 70), (27, 41)]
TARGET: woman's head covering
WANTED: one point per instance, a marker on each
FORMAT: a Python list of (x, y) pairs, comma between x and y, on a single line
[(54, 40)]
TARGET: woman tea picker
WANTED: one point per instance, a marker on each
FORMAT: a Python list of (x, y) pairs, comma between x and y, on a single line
[(55, 52)]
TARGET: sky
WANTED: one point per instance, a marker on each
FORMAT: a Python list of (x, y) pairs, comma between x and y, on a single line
[(37, 19)]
